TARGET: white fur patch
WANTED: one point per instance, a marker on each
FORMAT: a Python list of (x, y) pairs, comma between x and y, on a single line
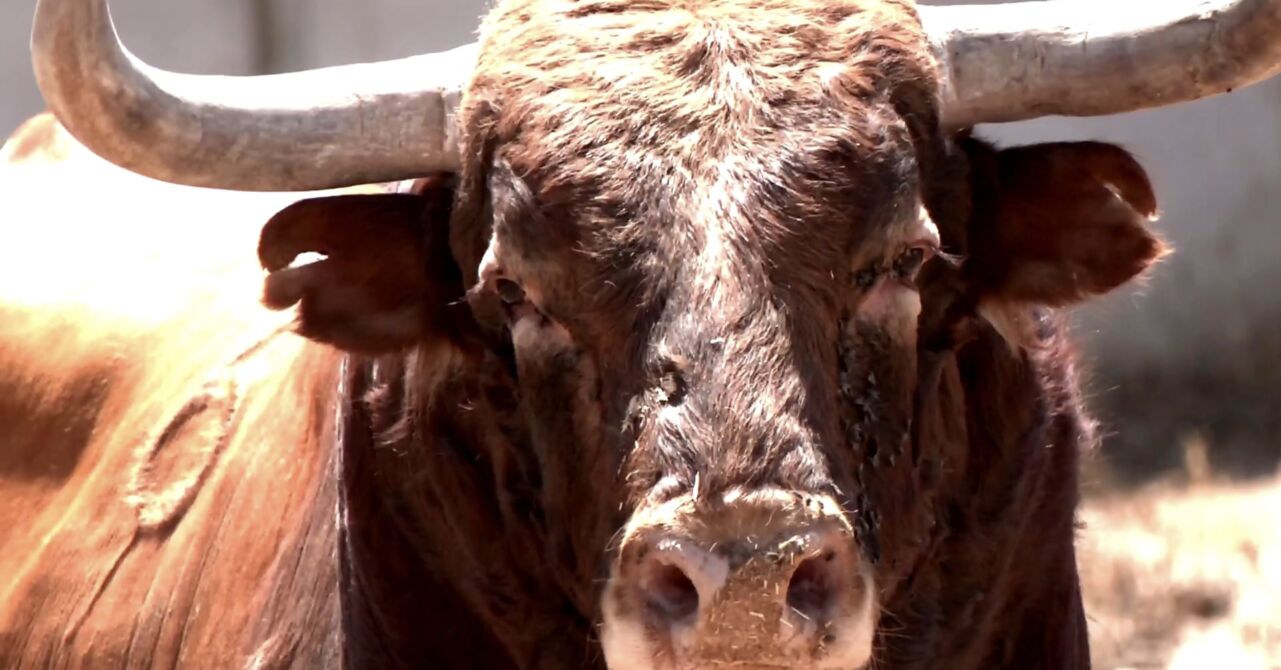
[(889, 299), (534, 334)]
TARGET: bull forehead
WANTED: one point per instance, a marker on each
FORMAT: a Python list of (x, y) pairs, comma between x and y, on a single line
[(713, 135), (595, 97)]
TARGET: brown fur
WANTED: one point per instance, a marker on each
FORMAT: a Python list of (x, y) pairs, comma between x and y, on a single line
[(688, 193)]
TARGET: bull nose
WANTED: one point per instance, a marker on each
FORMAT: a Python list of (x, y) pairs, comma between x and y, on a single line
[(803, 575), (669, 583), (815, 583), (768, 578)]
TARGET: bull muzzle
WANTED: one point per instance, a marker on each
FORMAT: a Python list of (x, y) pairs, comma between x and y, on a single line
[(762, 579)]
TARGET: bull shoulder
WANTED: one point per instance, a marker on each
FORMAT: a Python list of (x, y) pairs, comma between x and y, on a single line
[(164, 470)]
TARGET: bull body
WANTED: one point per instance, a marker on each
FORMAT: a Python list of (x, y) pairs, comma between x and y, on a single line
[(717, 351)]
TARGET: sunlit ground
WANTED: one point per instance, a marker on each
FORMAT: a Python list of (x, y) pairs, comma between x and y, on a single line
[(1185, 574)]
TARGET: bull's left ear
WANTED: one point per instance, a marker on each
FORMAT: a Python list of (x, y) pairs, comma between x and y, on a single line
[(387, 280), (1054, 224)]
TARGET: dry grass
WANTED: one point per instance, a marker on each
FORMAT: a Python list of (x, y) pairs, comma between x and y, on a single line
[(1184, 575)]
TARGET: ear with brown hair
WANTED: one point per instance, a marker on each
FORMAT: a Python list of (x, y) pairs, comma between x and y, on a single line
[(387, 280), (1054, 224)]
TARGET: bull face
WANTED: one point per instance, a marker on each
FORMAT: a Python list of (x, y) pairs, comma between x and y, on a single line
[(730, 360), (712, 290)]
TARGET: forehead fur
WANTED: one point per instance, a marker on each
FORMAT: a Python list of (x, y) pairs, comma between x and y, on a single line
[(690, 61), (639, 116), (685, 81)]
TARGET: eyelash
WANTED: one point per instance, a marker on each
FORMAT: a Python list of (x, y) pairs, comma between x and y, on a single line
[(910, 261), (905, 266)]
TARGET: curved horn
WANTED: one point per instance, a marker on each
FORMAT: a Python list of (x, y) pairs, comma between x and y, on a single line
[(292, 132), (1028, 59)]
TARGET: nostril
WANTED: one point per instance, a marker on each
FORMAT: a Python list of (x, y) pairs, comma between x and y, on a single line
[(670, 591), (813, 589)]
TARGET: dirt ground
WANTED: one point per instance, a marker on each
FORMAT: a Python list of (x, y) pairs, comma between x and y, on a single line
[(1184, 574)]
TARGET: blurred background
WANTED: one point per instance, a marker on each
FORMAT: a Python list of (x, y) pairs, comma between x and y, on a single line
[(1181, 546)]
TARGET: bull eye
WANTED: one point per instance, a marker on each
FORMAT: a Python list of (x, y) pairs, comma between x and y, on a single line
[(909, 262), (866, 278), (672, 387), (509, 291)]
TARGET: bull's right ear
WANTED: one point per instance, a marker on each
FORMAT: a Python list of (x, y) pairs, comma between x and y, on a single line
[(1052, 225), (387, 280), (1055, 224)]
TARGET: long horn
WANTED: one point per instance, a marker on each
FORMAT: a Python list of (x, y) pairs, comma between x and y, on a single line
[(291, 132), (1024, 60)]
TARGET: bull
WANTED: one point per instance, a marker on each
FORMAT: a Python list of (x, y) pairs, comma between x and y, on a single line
[(669, 335)]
